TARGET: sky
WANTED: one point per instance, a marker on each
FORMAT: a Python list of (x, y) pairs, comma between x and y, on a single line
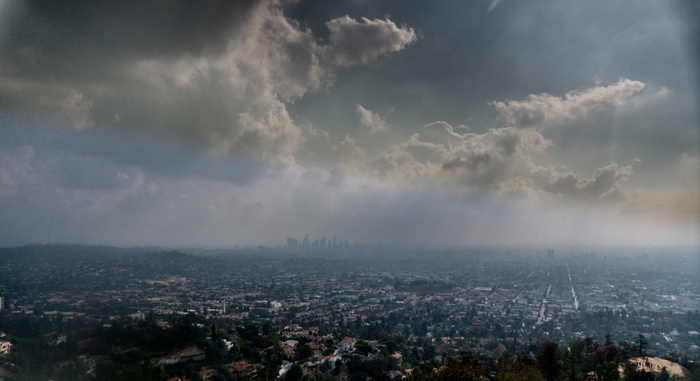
[(438, 123)]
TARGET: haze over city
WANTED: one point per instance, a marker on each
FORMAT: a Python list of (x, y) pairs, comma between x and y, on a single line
[(436, 123)]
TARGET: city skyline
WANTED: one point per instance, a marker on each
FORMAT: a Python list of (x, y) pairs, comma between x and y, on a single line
[(443, 124)]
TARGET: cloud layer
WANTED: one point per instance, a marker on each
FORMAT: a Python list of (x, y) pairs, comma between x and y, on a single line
[(221, 73), (411, 122), (504, 160)]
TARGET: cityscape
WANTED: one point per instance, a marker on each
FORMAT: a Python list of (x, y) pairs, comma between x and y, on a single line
[(427, 305), (300, 190)]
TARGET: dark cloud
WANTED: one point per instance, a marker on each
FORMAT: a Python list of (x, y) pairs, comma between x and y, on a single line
[(236, 122), (216, 73), (202, 73), (88, 39)]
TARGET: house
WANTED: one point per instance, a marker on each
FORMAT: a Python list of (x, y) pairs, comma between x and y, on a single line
[(5, 347), (228, 344), (287, 349), (165, 360), (207, 373), (347, 344), (396, 359), (317, 346), (192, 354), (240, 368), (284, 368), (333, 358)]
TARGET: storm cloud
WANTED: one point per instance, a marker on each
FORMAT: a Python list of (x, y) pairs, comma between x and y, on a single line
[(245, 122), (219, 73)]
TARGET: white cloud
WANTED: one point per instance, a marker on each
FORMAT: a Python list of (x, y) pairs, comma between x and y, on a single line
[(371, 120), (504, 160), (348, 153), (469, 161), (604, 183), (353, 42), (545, 110)]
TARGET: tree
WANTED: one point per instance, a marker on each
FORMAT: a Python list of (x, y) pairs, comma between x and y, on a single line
[(423, 372), (549, 361), (295, 373), (375, 369), (608, 342), (216, 351), (468, 368), (572, 368), (303, 352), (574, 361), (363, 347), (516, 370), (608, 372), (641, 345), (266, 373), (359, 376)]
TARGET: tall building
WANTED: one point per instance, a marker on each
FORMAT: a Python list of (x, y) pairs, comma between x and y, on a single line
[(550, 253), (2, 303), (305, 242), (292, 243)]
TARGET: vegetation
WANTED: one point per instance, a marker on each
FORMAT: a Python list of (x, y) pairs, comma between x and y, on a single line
[(131, 350)]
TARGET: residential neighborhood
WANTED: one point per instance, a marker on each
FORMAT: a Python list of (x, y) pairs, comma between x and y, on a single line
[(407, 307)]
